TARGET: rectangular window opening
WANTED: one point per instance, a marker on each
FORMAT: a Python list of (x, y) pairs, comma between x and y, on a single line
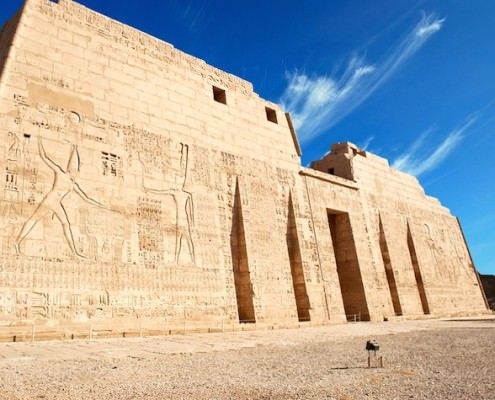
[(271, 115), (219, 95), (331, 171)]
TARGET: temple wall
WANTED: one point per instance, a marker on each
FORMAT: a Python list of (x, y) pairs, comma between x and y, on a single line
[(447, 270), (397, 199), (143, 230), (129, 194)]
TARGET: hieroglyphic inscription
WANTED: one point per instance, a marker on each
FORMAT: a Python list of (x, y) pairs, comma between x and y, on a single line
[(123, 122), (149, 214), (30, 173), (11, 184), (13, 156), (111, 164), (140, 43)]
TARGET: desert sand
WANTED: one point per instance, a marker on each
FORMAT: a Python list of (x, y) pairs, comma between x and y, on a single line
[(422, 360)]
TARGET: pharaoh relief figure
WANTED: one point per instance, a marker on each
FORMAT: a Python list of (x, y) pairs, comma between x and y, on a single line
[(184, 213), (64, 183), (435, 245), (462, 256), (433, 249)]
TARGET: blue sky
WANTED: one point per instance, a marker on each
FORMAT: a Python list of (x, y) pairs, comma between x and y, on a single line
[(413, 81)]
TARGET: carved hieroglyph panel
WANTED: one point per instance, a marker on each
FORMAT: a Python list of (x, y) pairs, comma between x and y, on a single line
[(90, 203)]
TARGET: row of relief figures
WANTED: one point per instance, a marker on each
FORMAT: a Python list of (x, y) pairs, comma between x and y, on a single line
[(35, 305), (40, 223), (28, 215), (443, 254)]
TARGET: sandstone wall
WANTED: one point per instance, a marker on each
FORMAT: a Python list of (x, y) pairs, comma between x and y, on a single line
[(143, 228), (129, 194), (411, 222)]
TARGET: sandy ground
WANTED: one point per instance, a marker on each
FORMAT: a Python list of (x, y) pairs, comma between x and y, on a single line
[(423, 360)]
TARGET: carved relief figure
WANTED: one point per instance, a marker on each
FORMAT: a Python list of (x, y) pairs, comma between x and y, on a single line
[(431, 245), (64, 183), (90, 242), (461, 254), (13, 152), (436, 245), (184, 206), (99, 242)]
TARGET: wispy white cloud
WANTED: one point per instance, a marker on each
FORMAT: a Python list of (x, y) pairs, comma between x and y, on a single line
[(419, 158), (193, 16), (319, 102), (406, 159), (428, 29), (366, 143)]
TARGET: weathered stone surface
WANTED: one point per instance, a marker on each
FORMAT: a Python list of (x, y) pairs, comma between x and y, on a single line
[(130, 196)]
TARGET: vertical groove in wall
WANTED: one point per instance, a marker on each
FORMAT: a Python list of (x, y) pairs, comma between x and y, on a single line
[(323, 276), (389, 270), (300, 292), (417, 272), (242, 278), (348, 270)]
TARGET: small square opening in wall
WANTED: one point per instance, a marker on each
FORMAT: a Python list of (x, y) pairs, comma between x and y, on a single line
[(219, 95), (331, 171), (271, 115)]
